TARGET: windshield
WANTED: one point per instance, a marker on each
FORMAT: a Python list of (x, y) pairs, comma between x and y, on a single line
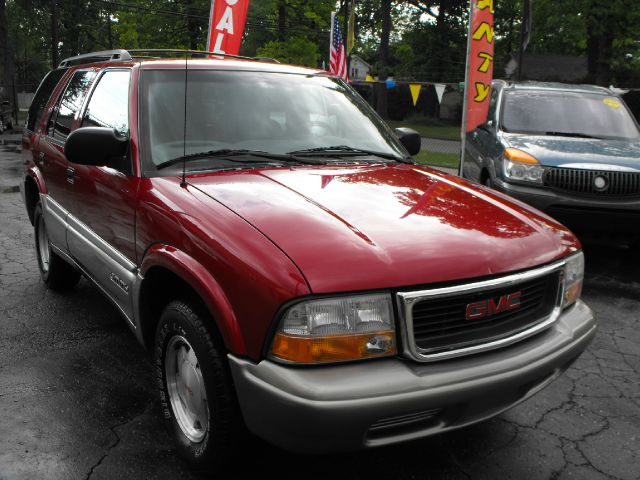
[(573, 113), (254, 111)]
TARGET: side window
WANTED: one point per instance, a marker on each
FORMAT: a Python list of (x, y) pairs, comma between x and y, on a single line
[(109, 103), (493, 103), (41, 97), (70, 103)]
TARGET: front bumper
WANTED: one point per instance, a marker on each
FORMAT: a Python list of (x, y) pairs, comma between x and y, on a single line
[(582, 214), (367, 404)]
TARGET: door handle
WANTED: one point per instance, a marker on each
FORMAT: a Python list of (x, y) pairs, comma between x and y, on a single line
[(71, 175)]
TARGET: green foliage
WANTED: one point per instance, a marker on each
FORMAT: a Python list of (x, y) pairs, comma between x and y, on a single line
[(427, 41), (297, 51)]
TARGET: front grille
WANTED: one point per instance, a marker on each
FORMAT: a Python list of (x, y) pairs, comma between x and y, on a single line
[(440, 323), (583, 181)]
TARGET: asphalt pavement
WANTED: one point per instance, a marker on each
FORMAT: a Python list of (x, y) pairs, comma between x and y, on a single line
[(77, 394)]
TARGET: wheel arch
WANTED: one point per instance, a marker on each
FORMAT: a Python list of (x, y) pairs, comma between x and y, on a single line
[(31, 196), (168, 273)]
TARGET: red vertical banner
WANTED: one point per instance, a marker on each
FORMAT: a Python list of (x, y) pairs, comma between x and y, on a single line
[(226, 25), (480, 63)]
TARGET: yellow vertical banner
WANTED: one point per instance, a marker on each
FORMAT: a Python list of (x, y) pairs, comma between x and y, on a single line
[(415, 92)]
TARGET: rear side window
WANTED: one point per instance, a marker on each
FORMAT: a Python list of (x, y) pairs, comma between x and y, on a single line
[(70, 103), (41, 97), (109, 103)]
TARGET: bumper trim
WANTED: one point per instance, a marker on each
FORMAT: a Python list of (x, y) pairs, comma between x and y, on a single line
[(334, 407)]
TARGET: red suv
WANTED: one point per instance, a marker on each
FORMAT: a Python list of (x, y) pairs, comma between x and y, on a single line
[(293, 271)]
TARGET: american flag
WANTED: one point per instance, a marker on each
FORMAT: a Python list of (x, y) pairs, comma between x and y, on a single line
[(338, 63)]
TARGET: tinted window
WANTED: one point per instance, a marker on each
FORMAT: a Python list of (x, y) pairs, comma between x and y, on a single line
[(109, 103), (42, 97), (571, 113), (70, 103)]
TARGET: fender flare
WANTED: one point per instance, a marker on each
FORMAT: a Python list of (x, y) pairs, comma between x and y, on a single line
[(35, 175), (202, 282)]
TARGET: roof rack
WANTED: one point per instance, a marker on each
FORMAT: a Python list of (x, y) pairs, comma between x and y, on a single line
[(148, 53), (95, 57)]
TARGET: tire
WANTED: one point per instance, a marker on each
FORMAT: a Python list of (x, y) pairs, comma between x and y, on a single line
[(56, 273), (487, 182), (197, 396)]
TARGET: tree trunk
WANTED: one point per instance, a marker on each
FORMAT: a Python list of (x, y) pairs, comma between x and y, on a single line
[(385, 10), (192, 27), (7, 53), (54, 33), (380, 90), (282, 20)]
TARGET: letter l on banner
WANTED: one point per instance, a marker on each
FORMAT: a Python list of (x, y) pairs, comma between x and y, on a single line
[(226, 25), (477, 85)]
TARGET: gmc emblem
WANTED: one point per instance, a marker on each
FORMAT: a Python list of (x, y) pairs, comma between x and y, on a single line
[(487, 308)]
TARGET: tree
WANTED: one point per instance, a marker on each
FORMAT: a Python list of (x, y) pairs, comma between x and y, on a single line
[(7, 55)]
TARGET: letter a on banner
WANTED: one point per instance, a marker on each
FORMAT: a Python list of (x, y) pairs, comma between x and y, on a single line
[(226, 25)]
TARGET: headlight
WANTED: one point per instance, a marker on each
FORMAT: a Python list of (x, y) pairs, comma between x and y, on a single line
[(573, 276), (336, 329), (521, 166)]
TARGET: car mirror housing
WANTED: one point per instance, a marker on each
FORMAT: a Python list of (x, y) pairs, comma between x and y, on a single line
[(97, 146), (411, 139)]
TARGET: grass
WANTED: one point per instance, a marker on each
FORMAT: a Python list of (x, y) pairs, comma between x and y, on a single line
[(450, 160), (430, 131)]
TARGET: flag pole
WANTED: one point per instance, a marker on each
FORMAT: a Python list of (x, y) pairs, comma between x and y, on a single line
[(333, 17), (465, 100)]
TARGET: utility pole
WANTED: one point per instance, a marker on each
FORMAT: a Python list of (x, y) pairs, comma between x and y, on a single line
[(54, 33), (525, 34), (109, 31)]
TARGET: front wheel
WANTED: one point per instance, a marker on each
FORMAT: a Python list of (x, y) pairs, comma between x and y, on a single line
[(55, 272), (196, 391), (487, 182)]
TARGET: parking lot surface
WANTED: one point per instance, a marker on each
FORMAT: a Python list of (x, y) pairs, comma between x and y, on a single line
[(77, 394)]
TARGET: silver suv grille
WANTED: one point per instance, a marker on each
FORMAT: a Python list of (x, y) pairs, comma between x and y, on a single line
[(609, 183), (472, 317)]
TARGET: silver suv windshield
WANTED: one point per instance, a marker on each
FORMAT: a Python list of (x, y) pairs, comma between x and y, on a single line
[(275, 113), (565, 113)]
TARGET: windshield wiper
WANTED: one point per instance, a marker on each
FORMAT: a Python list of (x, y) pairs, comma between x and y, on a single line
[(570, 134), (253, 156), (345, 150)]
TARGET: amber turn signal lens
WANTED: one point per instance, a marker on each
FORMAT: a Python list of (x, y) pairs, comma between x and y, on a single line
[(335, 348), (516, 155), (572, 293)]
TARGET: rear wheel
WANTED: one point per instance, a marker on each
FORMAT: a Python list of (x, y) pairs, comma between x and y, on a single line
[(55, 272), (196, 391)]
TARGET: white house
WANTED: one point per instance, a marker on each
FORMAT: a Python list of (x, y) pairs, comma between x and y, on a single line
[(358, 69)]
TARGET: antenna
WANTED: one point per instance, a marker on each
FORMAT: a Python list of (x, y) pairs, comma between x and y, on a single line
[(183, 183)]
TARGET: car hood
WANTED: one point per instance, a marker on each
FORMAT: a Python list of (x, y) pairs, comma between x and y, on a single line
[(380, 226), (578, 152)]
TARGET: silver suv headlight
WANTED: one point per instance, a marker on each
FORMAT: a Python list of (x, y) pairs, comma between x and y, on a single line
[(336, 329)]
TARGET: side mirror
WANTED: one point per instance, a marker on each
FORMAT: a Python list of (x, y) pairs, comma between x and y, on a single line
[(411, 139), (97, 146), (488, 126)]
